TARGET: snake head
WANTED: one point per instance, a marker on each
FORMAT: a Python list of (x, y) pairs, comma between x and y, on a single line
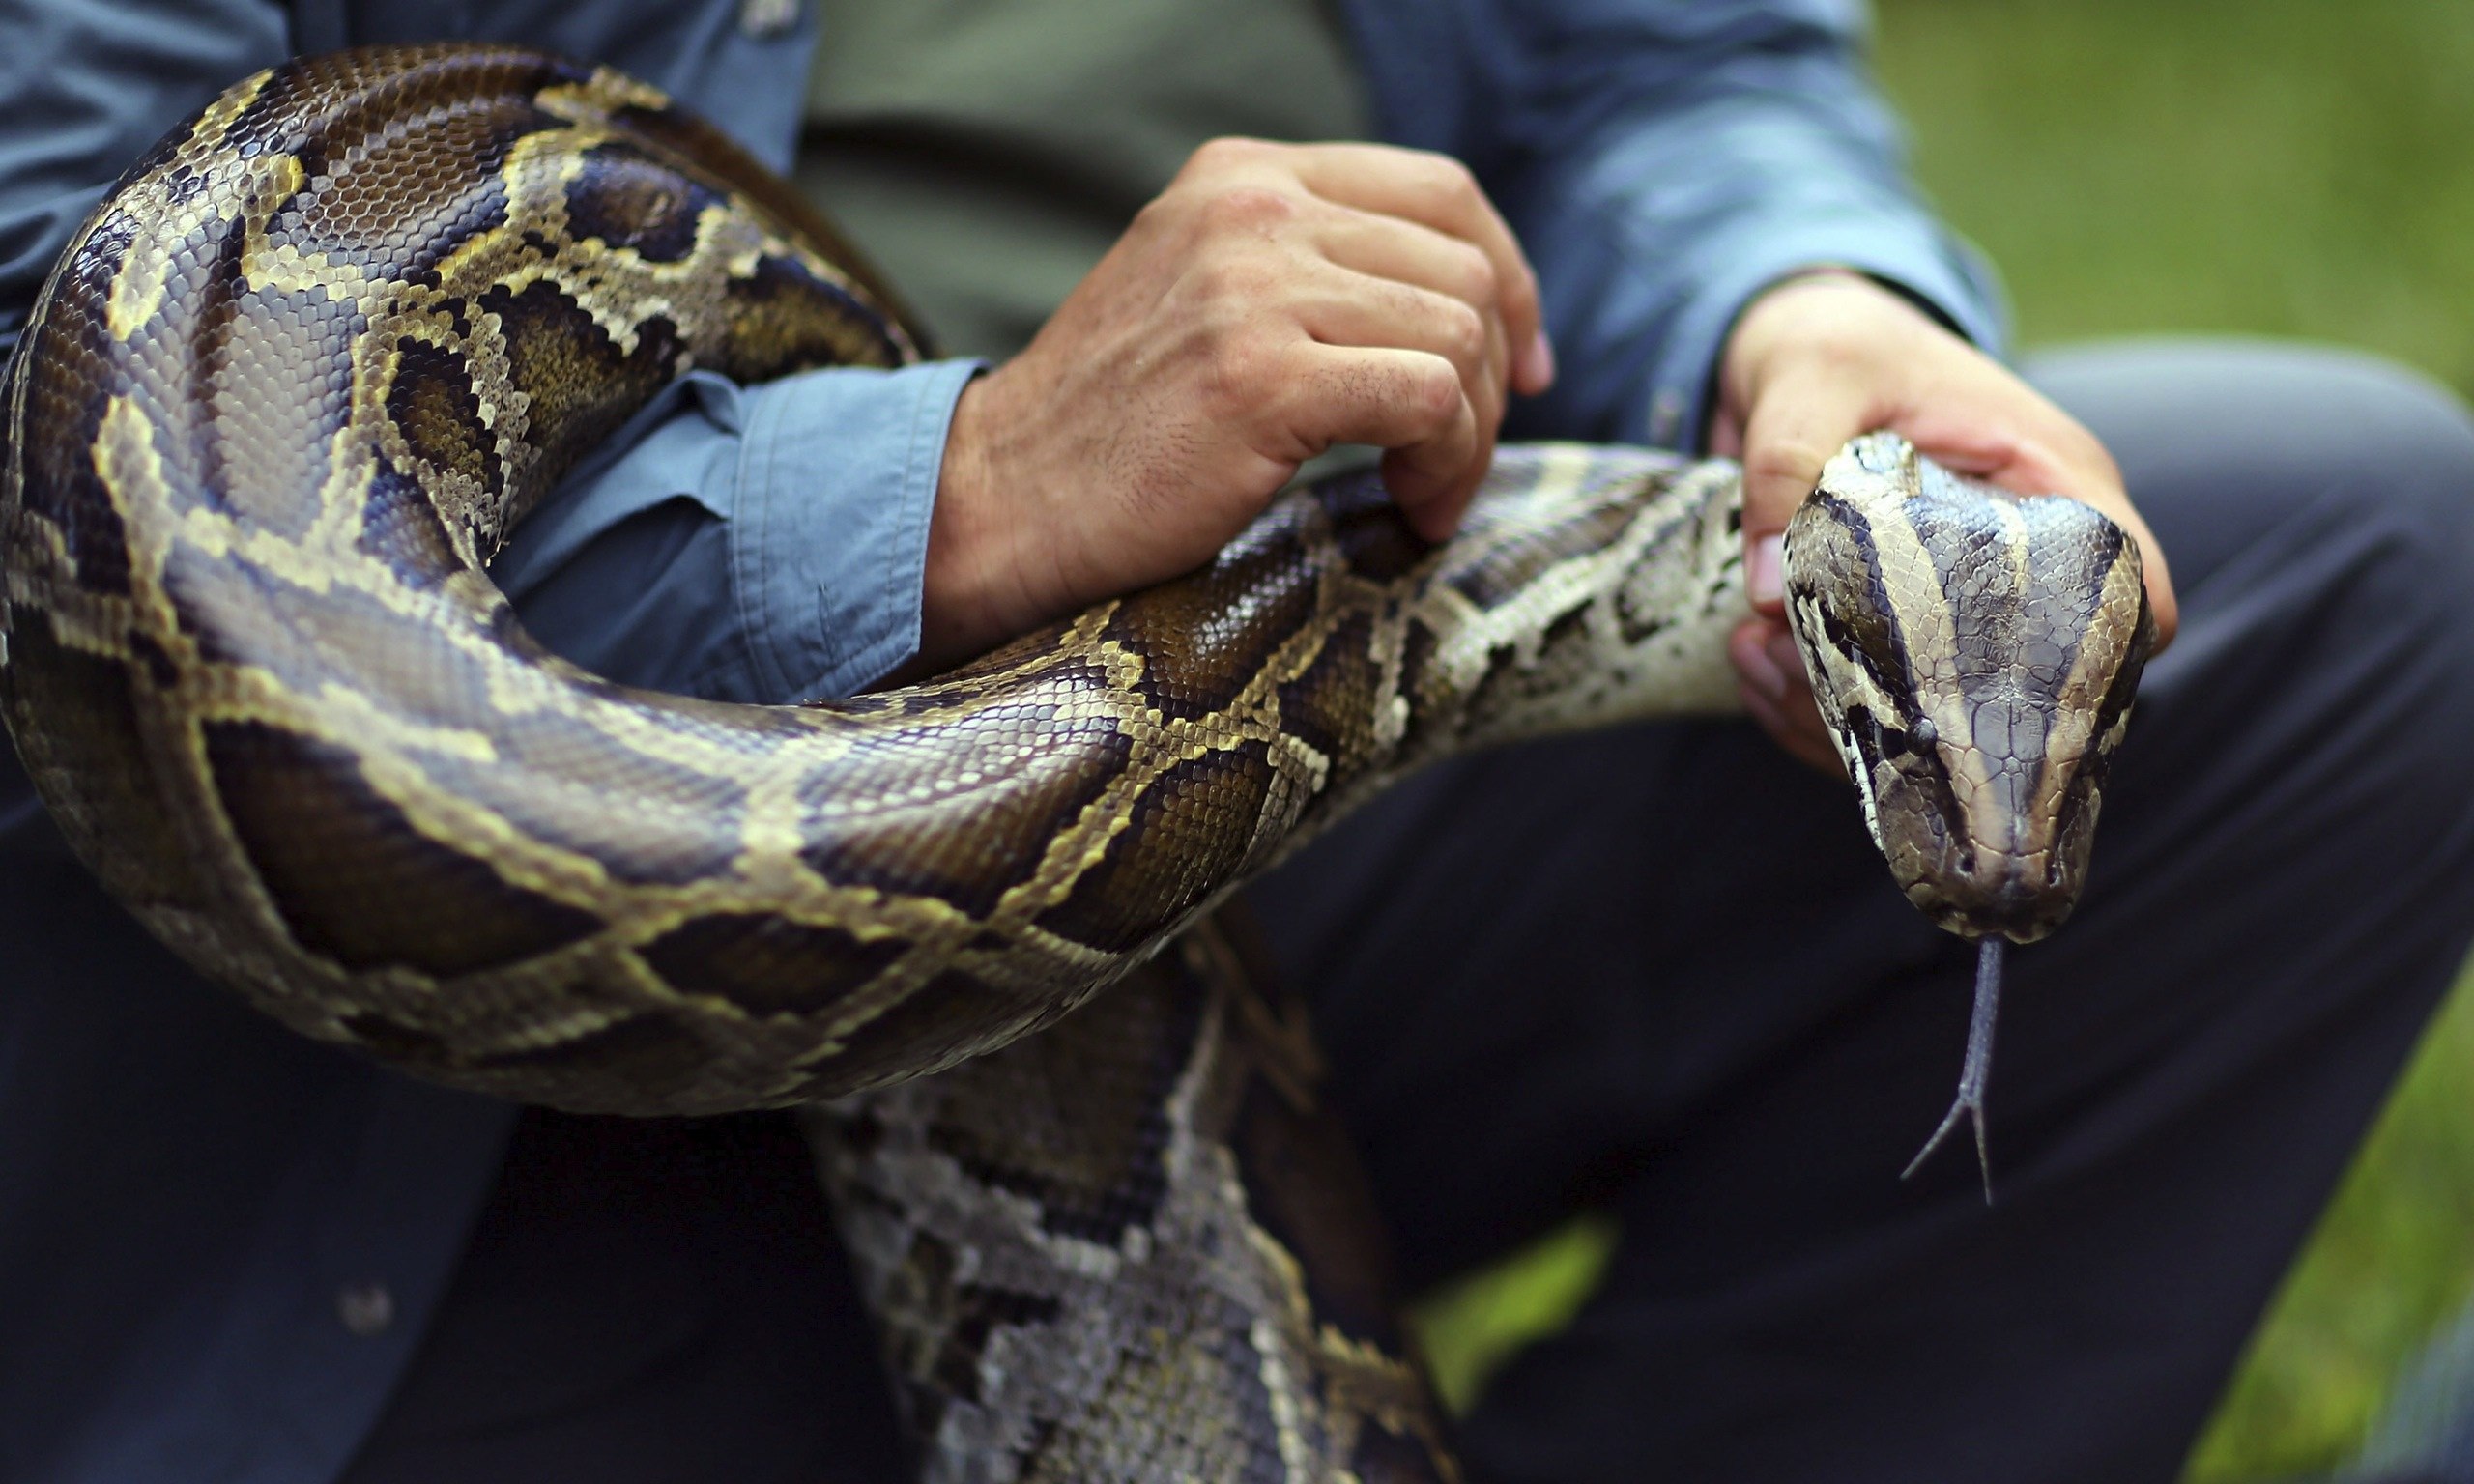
[(1975, 654)]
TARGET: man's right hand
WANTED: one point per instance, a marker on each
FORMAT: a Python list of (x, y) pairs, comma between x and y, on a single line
[(1274, 301)]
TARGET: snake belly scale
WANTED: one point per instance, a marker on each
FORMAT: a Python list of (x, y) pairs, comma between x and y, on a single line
[(316, 354)]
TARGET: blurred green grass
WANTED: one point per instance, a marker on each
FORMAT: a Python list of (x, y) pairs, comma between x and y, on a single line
[(2280, 167), (2299, 167)]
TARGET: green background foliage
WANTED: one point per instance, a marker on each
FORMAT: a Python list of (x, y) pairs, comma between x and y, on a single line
[(2277, 168)]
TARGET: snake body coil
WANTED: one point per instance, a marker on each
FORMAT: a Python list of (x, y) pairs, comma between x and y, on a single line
[(331, 340)]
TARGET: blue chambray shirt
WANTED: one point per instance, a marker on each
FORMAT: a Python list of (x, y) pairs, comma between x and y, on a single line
[(218, 1242)]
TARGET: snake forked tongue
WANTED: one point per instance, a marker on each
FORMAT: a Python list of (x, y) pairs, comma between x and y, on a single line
[(1975, 654)]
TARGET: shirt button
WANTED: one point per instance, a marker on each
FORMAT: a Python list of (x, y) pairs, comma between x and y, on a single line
[(763, 19), (366, 1309)]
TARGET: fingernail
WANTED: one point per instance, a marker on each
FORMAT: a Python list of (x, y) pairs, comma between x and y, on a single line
[(1538, 363), (1762, 569)]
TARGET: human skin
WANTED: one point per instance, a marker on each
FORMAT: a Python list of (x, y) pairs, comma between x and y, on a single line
[(1277, 300), (1824, 357), (1274, 301)]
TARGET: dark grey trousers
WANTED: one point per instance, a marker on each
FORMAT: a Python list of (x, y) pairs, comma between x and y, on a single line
[(1661, 972)]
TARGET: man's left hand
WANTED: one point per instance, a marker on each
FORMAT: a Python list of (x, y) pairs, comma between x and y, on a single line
[(1816, 360)]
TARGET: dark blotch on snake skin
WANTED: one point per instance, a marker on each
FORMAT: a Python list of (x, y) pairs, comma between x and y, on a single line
[(1871, 635), (765, 965), (631, 201), (92, 730), (885, 1049), (1367, 528), (630, 1044), (575, 377), (63, 361), (1092, 1149), (1169, 860), (1303, 1186), (1579, 532), (340, 861), (1206, 641), (794, 320), (1068, 763), (1335, 686), (660, 1052), (432, 403)]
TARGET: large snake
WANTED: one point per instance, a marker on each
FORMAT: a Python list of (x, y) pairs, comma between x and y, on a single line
[(326, 343)]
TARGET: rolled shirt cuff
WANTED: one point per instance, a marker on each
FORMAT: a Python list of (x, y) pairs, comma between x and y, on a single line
[(836, 480), (746, 543)]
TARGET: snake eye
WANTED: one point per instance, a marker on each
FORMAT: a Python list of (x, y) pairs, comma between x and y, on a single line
[(1925, 734)]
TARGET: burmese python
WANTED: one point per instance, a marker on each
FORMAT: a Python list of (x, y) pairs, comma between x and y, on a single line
[(330, 340)]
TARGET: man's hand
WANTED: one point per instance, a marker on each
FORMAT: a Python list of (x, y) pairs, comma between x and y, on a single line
[(1275, 300), (1821, 359)]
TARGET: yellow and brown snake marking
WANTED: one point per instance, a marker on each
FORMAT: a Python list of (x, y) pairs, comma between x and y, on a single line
[(315, 356), (1977, 694)]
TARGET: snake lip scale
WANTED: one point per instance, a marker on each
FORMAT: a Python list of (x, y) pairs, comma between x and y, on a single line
[(314, 355)]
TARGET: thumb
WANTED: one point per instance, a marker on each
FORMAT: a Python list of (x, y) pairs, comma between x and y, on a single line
[(1793, 429)]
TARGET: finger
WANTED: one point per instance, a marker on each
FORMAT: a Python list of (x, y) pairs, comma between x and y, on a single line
[(1409, 402), (1749, 650), (1793, 429), (1439, 192), (1770, 675), (1408, 252), (1357, 309), (1791, 739)]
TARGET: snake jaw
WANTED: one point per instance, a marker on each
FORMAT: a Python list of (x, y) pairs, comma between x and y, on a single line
[(1975, 654)]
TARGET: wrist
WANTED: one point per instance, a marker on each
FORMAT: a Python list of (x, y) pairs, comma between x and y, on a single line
[(970, 597)]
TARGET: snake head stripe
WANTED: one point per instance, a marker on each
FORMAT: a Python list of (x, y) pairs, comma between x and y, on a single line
[(1975, 654)]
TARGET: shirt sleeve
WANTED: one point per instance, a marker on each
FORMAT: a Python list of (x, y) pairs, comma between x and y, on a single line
[(90, 86), (746, 543), (1670, 158)]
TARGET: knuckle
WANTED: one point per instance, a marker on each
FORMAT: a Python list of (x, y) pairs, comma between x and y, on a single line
[(1224, 153), (1463, 332), (1242, 376), (1838, 348), (1250, 209), (1474, 275), (1782, 460), (1430, 391), (1446, 175)]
